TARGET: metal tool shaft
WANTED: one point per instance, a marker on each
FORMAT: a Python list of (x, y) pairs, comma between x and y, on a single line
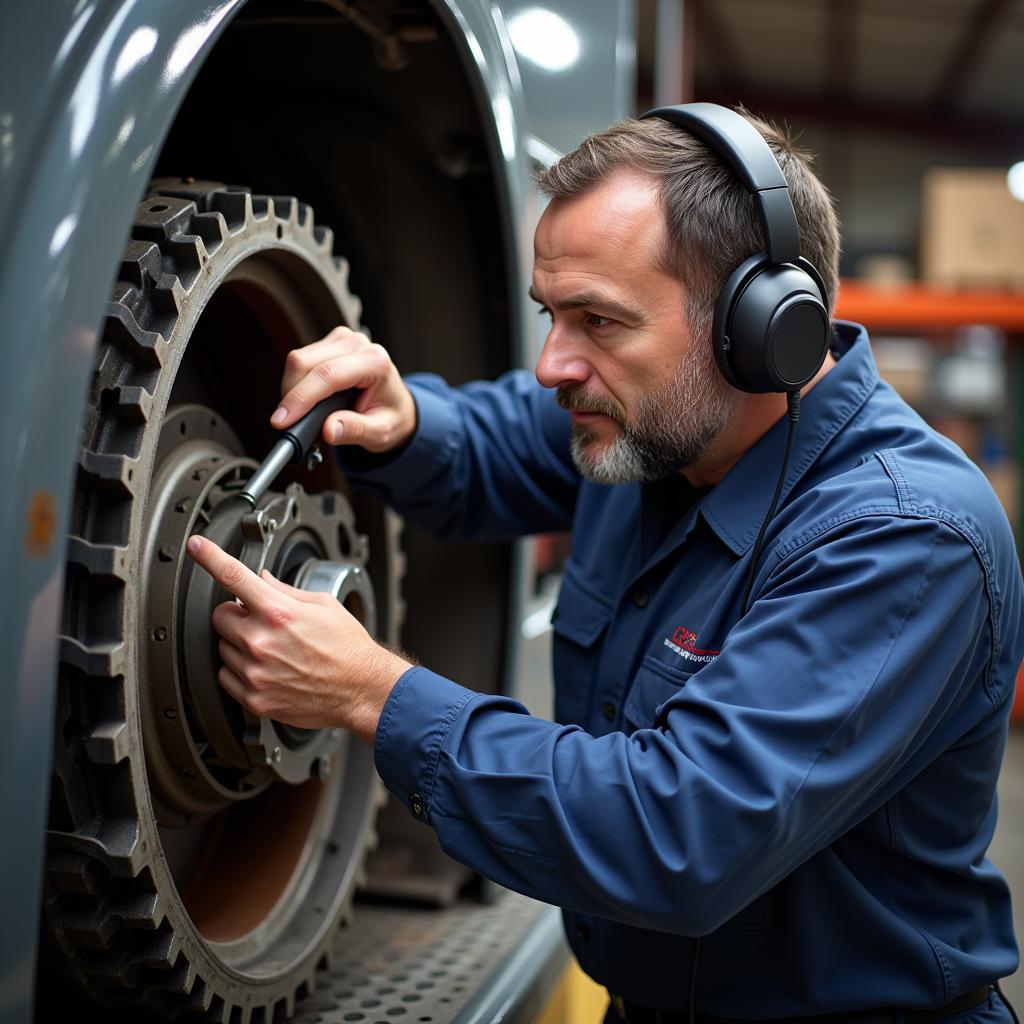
[(280, 455)]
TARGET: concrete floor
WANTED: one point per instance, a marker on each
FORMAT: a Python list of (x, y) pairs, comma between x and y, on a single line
[(1008, 846)]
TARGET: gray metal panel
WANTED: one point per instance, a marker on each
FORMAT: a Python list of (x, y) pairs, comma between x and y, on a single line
[(86, 100), (577, 63)]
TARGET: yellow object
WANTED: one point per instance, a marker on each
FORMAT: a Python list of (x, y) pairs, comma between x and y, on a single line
[(576, 1000)]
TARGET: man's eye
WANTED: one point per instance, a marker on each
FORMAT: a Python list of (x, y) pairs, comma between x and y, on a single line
[(596, 320)]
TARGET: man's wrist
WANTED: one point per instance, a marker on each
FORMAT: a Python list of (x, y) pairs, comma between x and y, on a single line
[(383, 669)]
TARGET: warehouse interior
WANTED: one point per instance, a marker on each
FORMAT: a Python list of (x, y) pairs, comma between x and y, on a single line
[(373, 163)]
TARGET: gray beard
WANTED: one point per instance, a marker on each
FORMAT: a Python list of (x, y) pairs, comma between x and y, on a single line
[(670, 429)]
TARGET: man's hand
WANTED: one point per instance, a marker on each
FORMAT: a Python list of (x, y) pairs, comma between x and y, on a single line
[(299, 658), (384, 417)]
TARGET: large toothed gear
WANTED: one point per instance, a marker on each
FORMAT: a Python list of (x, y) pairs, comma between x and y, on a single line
[(225, 903)]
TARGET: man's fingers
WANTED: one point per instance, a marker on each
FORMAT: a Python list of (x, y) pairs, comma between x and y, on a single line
[(229, 572), (371, 430), (232, 657), (300, 361), (228, 619), (230, 681), (359, 369)]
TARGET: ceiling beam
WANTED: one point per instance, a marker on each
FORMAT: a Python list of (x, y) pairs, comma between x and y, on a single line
[(963, 61), (1001, 135)]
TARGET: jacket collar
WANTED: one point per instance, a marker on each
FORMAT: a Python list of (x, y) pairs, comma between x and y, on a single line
[(736, 506)]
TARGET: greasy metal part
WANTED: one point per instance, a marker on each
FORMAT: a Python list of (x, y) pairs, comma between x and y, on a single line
[(347, 582), (280, 455), (194, 472), (183, 875)]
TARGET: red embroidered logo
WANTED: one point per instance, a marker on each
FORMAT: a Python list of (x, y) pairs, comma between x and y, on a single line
[(684, 643)]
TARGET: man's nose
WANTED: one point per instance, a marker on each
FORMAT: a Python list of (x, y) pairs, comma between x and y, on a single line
[(560, 362)]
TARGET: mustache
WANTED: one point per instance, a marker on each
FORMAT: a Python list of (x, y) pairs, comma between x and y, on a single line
[(575, 398)]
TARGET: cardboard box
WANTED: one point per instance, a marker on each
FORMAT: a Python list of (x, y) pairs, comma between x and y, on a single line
[(972, 231)]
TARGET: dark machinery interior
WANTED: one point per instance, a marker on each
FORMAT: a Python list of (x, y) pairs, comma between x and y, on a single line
[(198, 858)]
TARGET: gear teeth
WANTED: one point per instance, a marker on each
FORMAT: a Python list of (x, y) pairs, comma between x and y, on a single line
[(119, 838), (288, 1005), (236, 206), (189, 254), (90, 930), (71, 873), (141, 260), (212, 229), (120, 971), (169, 295), (116, 845), (141, 910), (103, 560), (125, 332), (107, 471), (160, 218), (107, 743), (103, 659), (285, 207), (183, 978), (324, 237), (163, 951), (134, 404), (200, 997)]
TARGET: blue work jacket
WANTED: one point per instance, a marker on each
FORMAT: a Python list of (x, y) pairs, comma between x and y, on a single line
[(811, 788)]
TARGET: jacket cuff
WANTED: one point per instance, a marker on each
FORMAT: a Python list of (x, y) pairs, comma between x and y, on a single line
[(416, 719)]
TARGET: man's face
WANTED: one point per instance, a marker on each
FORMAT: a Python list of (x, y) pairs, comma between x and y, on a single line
[(646, 399)]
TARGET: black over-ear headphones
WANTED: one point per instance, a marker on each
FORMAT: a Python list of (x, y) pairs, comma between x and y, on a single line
[(771, 329)]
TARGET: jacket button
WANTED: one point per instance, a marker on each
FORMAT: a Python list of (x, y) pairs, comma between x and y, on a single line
[(417, 805), (608, 710), (640, 599), (583, 931)]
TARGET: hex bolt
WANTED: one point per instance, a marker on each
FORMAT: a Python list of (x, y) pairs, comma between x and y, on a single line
[(322, 767), (274, 757), (185, 505), (314, 458), (160, 633)]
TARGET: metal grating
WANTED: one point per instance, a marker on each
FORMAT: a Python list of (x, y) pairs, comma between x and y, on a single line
[(396, 965)]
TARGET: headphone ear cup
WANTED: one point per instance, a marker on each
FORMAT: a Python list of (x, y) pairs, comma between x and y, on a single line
[(771, 327)]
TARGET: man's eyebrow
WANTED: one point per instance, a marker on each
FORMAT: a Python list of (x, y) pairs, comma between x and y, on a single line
[(615, 309)]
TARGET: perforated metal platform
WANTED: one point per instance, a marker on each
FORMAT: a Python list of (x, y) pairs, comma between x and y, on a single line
[(471, 964)]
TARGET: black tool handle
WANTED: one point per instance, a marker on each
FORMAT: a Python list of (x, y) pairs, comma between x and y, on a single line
[(304, 434)]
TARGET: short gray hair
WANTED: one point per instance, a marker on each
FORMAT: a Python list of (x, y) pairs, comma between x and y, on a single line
[(710, 217)]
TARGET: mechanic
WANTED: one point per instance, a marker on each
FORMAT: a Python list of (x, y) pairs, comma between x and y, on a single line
[(771, 784)]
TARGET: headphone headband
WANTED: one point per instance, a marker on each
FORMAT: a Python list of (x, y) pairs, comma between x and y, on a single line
[(742, 147)]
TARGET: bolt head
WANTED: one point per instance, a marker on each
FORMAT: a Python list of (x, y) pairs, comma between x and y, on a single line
[(314, 458), (322, 767)]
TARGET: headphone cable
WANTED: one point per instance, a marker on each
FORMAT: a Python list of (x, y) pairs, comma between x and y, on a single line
[(793, 400)]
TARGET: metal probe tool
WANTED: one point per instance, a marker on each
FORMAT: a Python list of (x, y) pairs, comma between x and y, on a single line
[(297, 443)]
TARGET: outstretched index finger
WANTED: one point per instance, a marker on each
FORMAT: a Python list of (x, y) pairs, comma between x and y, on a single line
[(229, 572)]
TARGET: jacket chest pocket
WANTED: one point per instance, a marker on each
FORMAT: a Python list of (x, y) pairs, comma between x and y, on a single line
[(579, 622), (653, 686)]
